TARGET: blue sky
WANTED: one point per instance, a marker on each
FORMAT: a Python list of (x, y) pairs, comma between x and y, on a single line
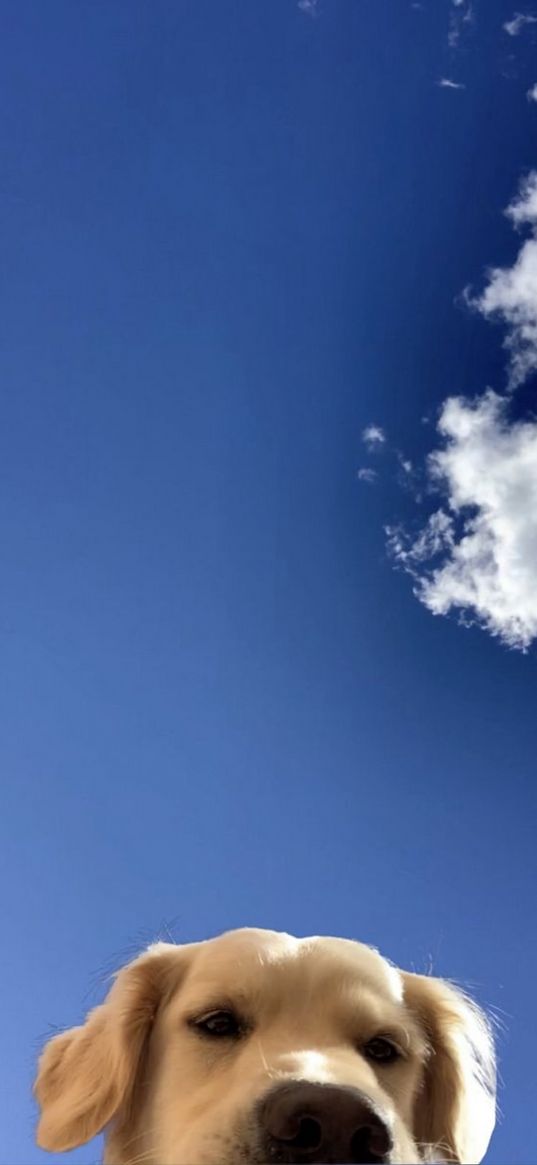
[(233, 237)]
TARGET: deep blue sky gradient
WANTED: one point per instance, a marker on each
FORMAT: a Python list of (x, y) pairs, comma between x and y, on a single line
[(231, 237)]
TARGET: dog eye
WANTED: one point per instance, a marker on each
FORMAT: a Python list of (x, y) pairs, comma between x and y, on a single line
[(381, 1051), (219, 1025)]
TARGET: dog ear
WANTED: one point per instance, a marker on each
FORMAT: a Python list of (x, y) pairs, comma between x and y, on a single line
[(86, 1074), (456, 1108)]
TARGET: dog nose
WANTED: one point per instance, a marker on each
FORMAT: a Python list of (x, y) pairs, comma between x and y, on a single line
[(305, 1122)]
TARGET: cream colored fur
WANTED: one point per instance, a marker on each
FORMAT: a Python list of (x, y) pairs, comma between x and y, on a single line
[(166, 1096)]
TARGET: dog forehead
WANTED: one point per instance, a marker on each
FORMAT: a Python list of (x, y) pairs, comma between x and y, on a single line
[(248, 951)]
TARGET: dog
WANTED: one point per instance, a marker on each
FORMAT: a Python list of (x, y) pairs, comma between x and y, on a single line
[(260, 1047)]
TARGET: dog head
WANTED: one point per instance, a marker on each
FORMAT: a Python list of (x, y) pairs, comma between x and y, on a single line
[(258, 1046)]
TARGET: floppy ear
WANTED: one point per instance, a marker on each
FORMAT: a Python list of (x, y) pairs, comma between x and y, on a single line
[(456, 1107), (87, 1074)]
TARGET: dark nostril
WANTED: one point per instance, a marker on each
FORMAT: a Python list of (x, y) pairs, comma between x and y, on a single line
[(371, 1144), (309, 1134)]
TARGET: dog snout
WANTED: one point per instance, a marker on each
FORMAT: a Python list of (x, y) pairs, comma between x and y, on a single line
[(304, 1122)]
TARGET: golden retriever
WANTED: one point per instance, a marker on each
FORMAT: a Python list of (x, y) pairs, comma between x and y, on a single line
[(260, 1047)]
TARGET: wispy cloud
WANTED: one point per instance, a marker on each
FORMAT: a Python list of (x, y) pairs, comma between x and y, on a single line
[(461, 18), (477, 554), (393, 462), (373, 436), (367, 475), (510, 295), (532, 93), (310, 7), (519, 21), (447, 83)]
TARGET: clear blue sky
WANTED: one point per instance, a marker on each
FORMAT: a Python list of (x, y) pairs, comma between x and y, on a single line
[(232, 237)]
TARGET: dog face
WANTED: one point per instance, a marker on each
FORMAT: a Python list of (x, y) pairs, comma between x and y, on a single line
[(258, 1046)]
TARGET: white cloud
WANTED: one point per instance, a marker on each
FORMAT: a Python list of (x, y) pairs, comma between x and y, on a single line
[(510, 295), (368, 475), (409, 478), (478, 553), (457, 21), (523, 209), (373, 436), (445, 83), (310, 7), (514, 26), (532, 93)]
